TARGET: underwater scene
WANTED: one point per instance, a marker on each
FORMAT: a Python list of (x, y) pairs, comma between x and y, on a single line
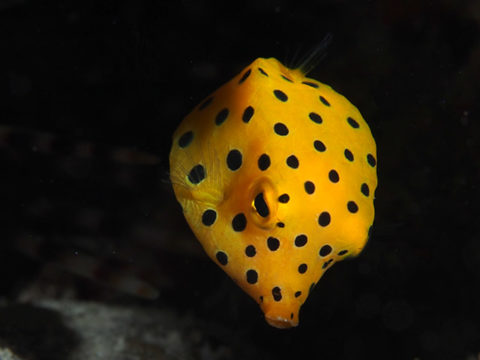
[(240, 180)]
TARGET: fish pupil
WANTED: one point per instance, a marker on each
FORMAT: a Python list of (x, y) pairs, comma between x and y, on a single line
[(261, 206)]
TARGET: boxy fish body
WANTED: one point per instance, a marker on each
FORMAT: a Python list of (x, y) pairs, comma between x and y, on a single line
[(276, 174)]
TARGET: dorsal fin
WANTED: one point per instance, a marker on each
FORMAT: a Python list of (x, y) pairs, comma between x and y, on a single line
[(315, 55)]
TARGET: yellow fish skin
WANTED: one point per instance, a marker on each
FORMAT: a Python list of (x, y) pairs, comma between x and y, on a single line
[(276, 175)]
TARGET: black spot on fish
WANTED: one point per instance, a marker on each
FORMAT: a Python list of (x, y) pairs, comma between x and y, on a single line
[(247, 114), (277, 293), (250, 251), (311, 84), (353, 123), (234, 159), (302, 268), (209, 217), (280, 95), (324, 219), (319, 146), (264, 162), (324, 101), (239, 222), (196, 174), (221, 116), (185, 139), (315, 118), (292, 161), (252, 276), (222, 257), (280, 129), (273, 243), (333, 176), (348, 155), (325, 250), (300, 240), (245, 76), (309, 187), (352, 207)]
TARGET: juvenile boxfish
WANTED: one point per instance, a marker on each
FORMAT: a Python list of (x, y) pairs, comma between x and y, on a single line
[(276, 175)]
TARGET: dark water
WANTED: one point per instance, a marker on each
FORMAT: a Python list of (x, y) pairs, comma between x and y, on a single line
[(125, 73)]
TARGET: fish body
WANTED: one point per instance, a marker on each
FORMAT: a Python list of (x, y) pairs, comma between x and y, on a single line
[(276, 174)]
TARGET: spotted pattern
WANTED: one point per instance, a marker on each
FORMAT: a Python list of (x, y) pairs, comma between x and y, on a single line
[(239, 222), (353, 123), (209, 217), (264, 162), (326, 263), (234, 159), (277, 293), (302, 268), (348, 155), (324, 101), (315, 118), (222, 258), (333, 176), (292, 161), (311, 84), (280, 129), (245, 76), (185, 139), (365, 189), (309, 187), (248, 114), (325, 250), (235, 168), (324, 219), (352, 207), (262, 72), (301, 240), (221, 116), (196, 174), (252, 276), (280, 95), (250, 251), (319, 146), (273, 243)]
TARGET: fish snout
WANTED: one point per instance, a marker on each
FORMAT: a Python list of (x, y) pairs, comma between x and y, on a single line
[(281, 317)]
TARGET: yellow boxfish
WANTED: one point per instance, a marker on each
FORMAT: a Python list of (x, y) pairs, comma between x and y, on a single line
[(276, 175)]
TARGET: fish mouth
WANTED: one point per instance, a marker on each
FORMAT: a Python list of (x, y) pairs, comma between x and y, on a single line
[(280, 322)]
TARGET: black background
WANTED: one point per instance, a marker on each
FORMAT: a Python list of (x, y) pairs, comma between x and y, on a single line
[(125, 73)]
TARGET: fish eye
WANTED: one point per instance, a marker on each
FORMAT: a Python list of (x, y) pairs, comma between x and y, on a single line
[(261, 206), (262, 197)]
